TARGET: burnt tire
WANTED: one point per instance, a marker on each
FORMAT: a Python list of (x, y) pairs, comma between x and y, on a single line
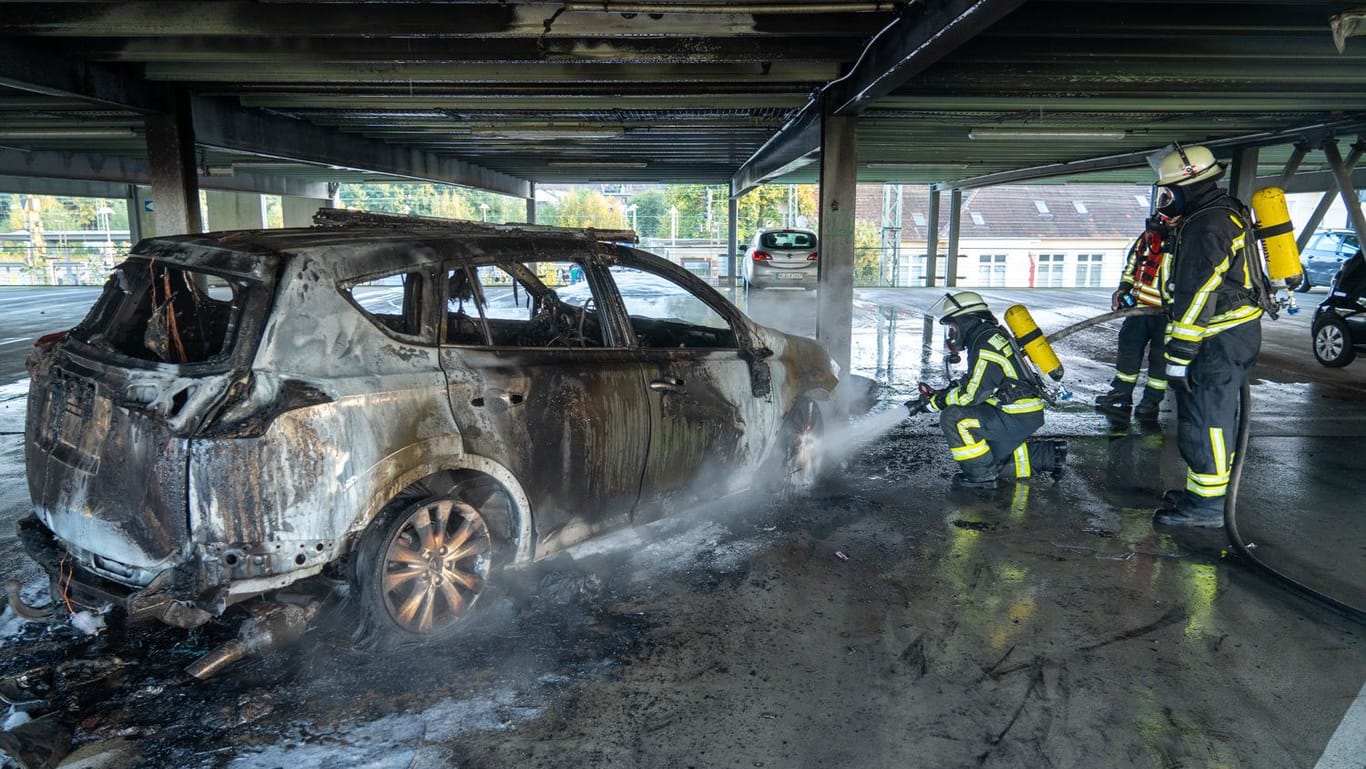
[(1333, 342), (799, 461), (420, 569)]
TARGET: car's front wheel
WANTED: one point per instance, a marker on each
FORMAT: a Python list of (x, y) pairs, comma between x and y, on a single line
[(801, 455), (1333, 342), (421, 567)]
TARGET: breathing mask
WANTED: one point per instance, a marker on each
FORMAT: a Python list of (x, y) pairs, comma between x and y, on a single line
[(1171, 200)]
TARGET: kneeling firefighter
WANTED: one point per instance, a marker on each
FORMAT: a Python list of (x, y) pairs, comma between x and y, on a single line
[(988, 414)]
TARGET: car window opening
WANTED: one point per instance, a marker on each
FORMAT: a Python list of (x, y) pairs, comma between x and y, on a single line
[(524, 304), (666, 314), (168, 314), (394, 302)]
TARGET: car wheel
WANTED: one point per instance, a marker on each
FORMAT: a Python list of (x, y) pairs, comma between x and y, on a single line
[(1304, 285), (801, 453), (421, 568), (1333, 342)]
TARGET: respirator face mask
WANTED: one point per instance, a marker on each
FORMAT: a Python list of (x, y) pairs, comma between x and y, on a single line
[(1171, 200)]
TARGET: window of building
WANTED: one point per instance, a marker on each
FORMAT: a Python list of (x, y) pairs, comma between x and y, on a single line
[(991, 270), (919, 219), (1041, 206), (977, 218), (1089, 268), (1142, 200), (1080, 206), (1048, 273)]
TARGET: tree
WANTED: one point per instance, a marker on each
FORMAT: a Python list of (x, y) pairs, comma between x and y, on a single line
[(652, 213), (585, 207)]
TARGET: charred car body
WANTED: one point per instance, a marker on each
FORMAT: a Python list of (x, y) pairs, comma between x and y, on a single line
[(408, 404)]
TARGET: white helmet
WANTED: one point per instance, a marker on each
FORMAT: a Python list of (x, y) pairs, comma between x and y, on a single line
[(961, 303), (1187, 165)]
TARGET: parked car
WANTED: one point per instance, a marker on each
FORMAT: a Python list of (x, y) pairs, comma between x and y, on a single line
[(1339, 327), (1324, 254), (785, 258), (410, 405)]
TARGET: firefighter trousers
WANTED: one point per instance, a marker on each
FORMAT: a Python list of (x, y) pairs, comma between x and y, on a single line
[(1140, 332), (1207, 415), (983, 439)]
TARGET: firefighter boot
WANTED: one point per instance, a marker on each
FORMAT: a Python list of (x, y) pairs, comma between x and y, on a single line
[(1194, 511), (1146, 411), (1115, 404)]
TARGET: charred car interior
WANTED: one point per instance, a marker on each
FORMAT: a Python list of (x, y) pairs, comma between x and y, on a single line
[(403, 406)]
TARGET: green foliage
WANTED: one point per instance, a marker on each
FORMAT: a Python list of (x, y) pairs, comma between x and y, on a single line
[(583, 207), (437, 200), (652, 213)]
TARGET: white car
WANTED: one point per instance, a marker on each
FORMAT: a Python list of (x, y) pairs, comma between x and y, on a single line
[(782, 258)]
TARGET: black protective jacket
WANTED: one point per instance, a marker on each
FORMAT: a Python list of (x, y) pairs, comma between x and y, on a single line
[(1210, 277)]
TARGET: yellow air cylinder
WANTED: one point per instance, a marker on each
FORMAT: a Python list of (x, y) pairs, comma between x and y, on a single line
[(1031, 339), (1277, 233)]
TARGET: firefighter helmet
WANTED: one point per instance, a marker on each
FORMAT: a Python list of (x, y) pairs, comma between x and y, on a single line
[(1187, 165), (961, 303)]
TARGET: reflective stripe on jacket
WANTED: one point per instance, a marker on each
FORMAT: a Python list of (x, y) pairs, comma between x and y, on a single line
[(1211, 279), (992, 369)]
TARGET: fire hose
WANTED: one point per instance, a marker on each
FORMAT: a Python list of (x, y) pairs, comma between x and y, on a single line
[(1240, 547)]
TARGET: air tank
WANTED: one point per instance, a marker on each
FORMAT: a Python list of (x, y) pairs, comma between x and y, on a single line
[(1032, 341)]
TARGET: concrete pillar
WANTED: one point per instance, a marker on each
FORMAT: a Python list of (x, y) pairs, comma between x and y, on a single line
[(732, 241), (834, 305), (955, 222), (171, 163), (932, 238), (234, 211), (1243, 174), (133, 202), (531, 205), (298, 212)]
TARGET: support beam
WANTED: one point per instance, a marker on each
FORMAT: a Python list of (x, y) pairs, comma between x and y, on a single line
[(838, 193), (234, 211), (75, 188), (932, 239), (794, 146), (1243, 173), (46, 167), (170, 159), (1346, 190), (298, 212), (732, 241), (1312, 181), (955, 225), (1311, 226), (1292, 165), (531, 203), (220, 123), (133, 204), (925, 34), (42, 70)]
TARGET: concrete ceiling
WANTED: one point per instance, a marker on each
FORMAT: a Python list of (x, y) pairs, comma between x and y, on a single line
[(498, 94)]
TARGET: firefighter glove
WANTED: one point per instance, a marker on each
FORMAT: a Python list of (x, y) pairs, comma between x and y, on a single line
[(1117, 298)]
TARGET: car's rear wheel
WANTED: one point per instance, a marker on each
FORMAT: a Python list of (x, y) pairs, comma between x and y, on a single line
[(421, 568), (1333, 342), (1305, 284)]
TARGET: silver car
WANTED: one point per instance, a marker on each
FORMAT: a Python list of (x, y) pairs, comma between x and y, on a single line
[(782, 258), (407, 405)]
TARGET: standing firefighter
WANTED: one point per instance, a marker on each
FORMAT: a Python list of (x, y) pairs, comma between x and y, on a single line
[(1218, 291), (1140, 283), (990, 411)]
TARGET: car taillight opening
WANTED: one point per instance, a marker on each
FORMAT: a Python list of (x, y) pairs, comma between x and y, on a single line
[(811, 257), (46, 341), (763, 256)]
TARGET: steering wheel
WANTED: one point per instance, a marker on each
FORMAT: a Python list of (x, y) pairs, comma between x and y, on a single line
[(580, 322)]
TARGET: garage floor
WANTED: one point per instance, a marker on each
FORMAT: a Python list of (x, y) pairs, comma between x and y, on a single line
[(884, 621)]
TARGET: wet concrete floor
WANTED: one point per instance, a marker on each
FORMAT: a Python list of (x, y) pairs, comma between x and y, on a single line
[(881, 621)]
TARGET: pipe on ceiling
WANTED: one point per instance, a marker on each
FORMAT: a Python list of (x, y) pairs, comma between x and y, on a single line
[(611, 6)]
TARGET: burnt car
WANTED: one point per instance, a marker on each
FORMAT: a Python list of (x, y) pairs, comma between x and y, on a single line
[(409, 405)]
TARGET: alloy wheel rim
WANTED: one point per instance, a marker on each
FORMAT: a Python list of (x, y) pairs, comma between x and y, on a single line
[(436, 566), (1330, 342)]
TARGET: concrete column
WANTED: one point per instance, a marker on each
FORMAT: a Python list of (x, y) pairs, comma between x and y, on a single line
[(932, 238), (234, 211), (955, 220), (298, 212), (171, 163), (834, 305), (1243, 174), (732, 241), (133, 201), (531, 205)]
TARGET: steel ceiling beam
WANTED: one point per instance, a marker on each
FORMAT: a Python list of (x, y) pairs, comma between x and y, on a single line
[(220, 123), (458, 76), (900, 51), (1313, 134), (29, 68), (52, 170), (897, 56)]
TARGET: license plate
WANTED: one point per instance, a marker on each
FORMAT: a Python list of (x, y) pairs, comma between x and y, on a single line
[(791, 275)]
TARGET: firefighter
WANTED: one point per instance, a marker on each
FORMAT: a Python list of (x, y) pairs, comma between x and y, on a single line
[(988, 414), (1218, 291), (1140, 283)]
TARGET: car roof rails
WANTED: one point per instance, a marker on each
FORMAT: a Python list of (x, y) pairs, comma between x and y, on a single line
[(340, 217)]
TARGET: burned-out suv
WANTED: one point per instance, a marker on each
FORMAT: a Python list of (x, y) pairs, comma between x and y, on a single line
[(409, 404)]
